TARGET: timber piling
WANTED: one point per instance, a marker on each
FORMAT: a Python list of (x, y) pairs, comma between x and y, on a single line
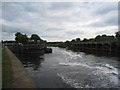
[(28, 48)]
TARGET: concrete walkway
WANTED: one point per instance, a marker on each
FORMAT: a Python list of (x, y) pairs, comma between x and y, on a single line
[(21, 78)]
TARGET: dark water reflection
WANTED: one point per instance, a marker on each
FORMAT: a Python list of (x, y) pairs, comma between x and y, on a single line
[(31, 60)]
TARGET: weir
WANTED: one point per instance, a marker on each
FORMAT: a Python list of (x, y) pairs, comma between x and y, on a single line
[(105, 47)]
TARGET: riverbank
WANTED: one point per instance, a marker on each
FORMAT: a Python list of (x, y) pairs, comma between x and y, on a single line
[(14, 74), (6, 70)]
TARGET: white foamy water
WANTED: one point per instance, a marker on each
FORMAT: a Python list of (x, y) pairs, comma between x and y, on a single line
[(77, 59), (75, 64), (72, 82), (73, 55), (106, 69)]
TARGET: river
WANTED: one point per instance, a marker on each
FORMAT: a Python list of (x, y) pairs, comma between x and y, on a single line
[(67, 69)]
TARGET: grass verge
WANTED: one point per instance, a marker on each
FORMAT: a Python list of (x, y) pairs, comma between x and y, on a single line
[(6, 70)]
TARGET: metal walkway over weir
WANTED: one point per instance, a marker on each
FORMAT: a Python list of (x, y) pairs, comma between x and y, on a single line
[(110, 47)]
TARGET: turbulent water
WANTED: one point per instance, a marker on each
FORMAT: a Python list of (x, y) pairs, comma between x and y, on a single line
[(67, 69)]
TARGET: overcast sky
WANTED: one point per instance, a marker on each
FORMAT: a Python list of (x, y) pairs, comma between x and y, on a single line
[(59, 21)]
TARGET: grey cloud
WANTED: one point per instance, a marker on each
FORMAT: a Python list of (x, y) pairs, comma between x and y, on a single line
[(61, 6), (107, 20), (29, 7), (112, 21), (80, 12), (106, 7), (55, 29), (106, 31), (80, 32), (12, 29), (53, 36), (11, 11), (7, 36)]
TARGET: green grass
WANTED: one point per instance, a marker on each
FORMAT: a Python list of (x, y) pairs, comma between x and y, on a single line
[(6, 70)]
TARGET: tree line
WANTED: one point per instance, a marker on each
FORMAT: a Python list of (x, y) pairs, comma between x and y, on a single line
[(24, 39), (98, 38), (34, 38)]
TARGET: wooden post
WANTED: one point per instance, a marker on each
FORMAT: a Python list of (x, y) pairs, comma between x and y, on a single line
[(96, 47), (110, 49)]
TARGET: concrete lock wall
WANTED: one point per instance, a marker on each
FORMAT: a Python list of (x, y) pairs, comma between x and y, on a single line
[(21, 78)]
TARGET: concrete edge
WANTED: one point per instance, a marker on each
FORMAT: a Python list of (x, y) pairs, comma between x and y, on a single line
[(21, 78), (0, 66)]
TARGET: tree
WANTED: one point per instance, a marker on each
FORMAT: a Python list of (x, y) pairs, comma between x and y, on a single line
[(73, 40), (91, 39), (78, 40), (24, 39), (20, 38), (110, 38), (67, 43), (84, 40), (44, 41), (117, 34), (17, 36), (35, 37), (118, 37), (98, 38), (104, 37), (18, 33)]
